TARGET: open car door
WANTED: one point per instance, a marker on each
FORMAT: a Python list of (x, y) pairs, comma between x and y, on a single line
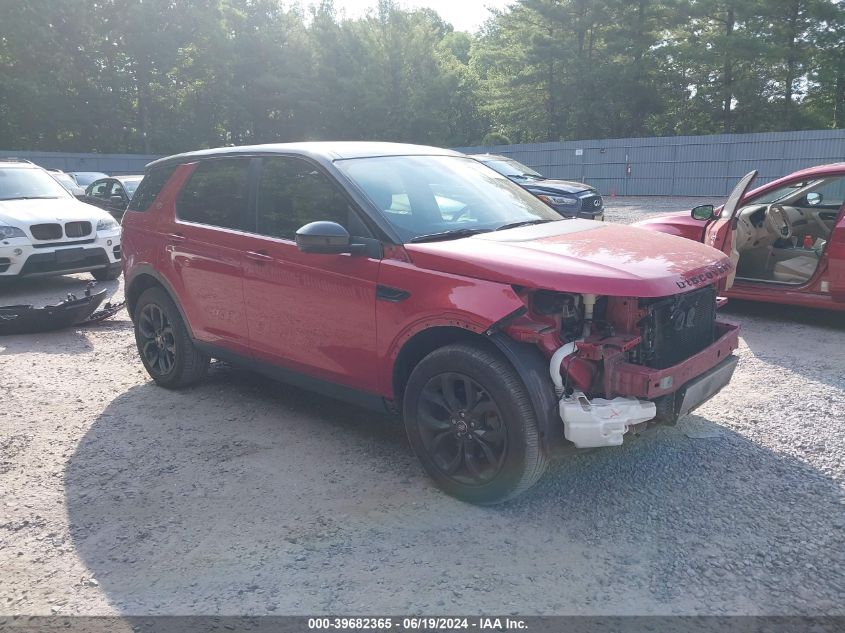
[(720, 232), (835, 252)]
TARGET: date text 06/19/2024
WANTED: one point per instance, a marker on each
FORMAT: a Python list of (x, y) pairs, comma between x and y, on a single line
[(416, 624)]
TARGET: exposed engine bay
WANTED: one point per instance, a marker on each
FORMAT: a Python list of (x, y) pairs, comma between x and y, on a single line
[(666, 330), (621, 363)]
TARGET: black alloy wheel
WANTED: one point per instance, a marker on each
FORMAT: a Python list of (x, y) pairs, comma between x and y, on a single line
[(462, 429), (164, 343), (157, 343), (471, 423)]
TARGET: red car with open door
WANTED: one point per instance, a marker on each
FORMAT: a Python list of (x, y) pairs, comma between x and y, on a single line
[(786, 238)]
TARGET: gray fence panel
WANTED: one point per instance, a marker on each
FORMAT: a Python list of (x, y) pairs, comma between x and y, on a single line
[(681, 165), (112, 164), (697, 186)]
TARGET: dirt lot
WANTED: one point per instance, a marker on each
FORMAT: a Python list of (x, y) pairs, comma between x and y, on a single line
[(245, 496)]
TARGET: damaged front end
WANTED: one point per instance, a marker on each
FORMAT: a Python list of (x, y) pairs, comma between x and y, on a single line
[(72, 311), (621, 364)]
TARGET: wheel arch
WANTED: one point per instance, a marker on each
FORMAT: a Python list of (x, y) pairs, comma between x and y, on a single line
[(533, 368), (421, 345), (529, 362), (144, 278)]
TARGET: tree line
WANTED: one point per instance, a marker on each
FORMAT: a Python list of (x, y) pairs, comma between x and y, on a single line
[(162, 76)]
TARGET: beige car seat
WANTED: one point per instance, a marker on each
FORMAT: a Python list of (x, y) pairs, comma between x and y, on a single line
[(796, 269)]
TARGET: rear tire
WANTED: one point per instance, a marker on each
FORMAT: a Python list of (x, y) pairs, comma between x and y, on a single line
[(165, 348), (471, 423)]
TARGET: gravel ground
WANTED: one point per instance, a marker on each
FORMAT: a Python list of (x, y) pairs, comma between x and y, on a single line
[(243, 496), (633, 208)]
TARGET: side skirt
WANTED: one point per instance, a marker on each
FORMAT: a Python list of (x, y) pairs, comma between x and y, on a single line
[(333, 390)]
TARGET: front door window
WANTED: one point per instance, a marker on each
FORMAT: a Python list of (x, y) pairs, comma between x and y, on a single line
[(293, 192)]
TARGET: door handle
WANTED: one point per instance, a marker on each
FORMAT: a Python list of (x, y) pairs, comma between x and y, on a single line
[(259, 256), (176, 237)]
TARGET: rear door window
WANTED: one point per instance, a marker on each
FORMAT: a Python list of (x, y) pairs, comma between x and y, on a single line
[(217, 194)]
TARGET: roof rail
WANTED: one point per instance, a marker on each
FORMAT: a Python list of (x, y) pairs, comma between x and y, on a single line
[(15, 159)]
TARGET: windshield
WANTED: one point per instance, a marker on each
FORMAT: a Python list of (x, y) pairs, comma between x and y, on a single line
[(776, 195), (85, 178), (23, 184), (512, 169), (428, 195), (65, 181)]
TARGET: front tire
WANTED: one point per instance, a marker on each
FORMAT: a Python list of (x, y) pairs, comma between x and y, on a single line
[(166, 349), (107, 274), (471, 423)]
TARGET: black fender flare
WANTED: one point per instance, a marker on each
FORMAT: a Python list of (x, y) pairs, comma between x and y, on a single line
[(146, 269), (533, 367)]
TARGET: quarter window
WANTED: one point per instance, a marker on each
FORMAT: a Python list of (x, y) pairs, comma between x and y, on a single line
[(217, 193), (150, 187), (293, 192)]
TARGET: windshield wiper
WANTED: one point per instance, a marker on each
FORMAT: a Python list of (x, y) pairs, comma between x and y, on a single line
[(514, 225), (447, 235)]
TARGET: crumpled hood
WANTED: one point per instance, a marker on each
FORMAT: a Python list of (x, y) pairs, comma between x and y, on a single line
[(579, 256), (25, 212), (555, 186)]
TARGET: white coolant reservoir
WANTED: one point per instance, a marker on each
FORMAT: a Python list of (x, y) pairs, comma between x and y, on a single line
[(599, 422)]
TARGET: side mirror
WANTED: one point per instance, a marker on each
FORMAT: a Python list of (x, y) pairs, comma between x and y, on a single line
[(327, 238), (814, 199), (703, 212), (116, 200)]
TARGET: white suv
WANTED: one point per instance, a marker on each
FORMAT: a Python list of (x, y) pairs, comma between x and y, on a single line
[(45, 231)]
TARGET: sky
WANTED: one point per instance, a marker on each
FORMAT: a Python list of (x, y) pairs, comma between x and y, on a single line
[(464, 15)]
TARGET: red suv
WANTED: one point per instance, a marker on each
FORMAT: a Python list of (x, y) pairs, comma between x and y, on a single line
[(418, 281)]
